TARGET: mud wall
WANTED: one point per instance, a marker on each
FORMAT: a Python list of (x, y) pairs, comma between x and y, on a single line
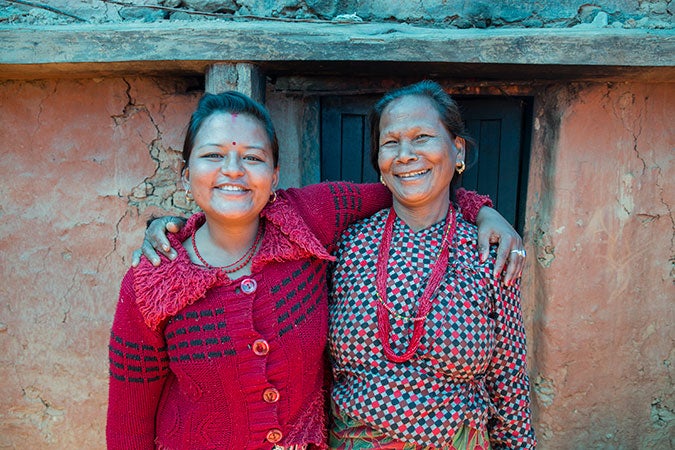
[(87, 161)]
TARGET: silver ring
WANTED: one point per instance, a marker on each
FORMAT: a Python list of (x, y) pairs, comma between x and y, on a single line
[(520, 252)]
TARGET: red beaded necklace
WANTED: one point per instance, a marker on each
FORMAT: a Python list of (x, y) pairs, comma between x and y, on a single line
[(424, 303), (238, 264)]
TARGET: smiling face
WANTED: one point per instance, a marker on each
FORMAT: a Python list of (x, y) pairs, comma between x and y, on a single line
[(417, 154), (231, 169)]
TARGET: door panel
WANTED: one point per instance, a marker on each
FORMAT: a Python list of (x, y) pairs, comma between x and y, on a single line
[(496, 124), (345, 140)]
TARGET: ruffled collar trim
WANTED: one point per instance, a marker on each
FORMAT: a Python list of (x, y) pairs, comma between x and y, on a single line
[(161, 292)]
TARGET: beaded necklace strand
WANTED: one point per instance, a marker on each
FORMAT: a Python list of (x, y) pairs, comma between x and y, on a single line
[(238, 264), (424, 303)]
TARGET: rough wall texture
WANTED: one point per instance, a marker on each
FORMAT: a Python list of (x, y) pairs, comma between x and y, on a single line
[(86, 162), (445, 13), (601, 290)]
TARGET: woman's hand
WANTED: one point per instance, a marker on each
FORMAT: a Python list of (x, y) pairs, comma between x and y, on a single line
[(155, 240), (493, 229)]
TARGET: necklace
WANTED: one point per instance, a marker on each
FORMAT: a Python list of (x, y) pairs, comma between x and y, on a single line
[(238, 264), (424, 302)]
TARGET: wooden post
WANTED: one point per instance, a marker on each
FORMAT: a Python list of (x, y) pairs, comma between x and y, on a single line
[(243, 77)]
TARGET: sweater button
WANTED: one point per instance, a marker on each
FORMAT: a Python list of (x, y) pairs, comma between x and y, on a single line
[(260, 347), (271, 395), (249, 285), (274, 435)]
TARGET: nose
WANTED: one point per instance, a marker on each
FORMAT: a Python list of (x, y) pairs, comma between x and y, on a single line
[(406, 152), (232, 165)]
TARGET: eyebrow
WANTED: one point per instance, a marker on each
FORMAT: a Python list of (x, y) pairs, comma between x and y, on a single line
[(210, 144)]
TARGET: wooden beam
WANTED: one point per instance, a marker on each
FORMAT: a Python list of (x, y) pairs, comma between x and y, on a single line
[(242, 77), (164, 47)]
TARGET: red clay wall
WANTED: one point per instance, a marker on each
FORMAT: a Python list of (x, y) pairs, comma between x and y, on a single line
[(87, 161), (601, 288), (76, 158)]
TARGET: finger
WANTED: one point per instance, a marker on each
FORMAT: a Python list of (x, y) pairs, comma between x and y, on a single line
[(513, 268), (502, 256), (483, 245), (136, 257), (173, 227), (155, 235), (150, 253), (516, 263)]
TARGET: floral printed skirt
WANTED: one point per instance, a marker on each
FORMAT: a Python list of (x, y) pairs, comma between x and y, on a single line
[(350, 434)]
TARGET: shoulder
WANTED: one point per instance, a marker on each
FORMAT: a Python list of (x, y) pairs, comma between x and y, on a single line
[(363, 233), (372, 225)]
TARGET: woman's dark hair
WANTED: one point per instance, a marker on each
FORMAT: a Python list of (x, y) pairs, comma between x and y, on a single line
[(447, 108), (231, 102)]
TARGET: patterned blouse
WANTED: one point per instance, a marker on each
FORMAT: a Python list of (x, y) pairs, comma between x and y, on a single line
[(469, 370)]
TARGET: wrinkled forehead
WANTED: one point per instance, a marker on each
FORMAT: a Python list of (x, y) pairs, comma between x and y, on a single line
[(408, 111)]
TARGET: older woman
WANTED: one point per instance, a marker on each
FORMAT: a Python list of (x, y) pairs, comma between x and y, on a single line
[(427, 346), (222, 347)]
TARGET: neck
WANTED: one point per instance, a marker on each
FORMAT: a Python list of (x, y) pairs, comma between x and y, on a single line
[(222, 244), (230, 237), (419, 218)]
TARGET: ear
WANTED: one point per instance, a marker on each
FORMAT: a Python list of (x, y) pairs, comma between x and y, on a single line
[(460, 146), (275, 178), (185, 179)]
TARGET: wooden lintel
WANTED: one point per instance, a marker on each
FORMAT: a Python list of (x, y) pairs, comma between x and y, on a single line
[(242, 77), (164, 47)]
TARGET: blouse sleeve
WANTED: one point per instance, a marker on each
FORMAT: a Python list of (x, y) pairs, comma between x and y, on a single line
[(470, 202), (138, 370), (329, 208), (507, 381)]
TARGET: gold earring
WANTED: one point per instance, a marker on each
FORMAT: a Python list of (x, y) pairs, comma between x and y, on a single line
[(460, 166), (273, 197), (188, 196), (382, 181)]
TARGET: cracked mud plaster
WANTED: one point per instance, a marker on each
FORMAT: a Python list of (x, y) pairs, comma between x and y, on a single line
[(161, 189), (38, 412), (631, 109)]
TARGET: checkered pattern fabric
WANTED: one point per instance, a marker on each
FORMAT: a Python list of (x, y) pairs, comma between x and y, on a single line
[(470, 367)]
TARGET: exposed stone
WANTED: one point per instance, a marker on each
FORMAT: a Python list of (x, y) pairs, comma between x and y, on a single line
[(142, 14), (171, 3), (220, 6), (461, 14)]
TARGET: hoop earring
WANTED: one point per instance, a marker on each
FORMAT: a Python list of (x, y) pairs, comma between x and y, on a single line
[(460, 166), (382, 181), (188, 196), (273, 197)]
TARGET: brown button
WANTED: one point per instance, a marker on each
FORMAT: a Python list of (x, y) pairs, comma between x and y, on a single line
[(261, 347), (274, 435), (271, 395)]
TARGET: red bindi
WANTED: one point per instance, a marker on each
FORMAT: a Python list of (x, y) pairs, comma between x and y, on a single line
[(234, 143)]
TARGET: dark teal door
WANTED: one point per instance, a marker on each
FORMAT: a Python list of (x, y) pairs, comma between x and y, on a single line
[(497, 164)]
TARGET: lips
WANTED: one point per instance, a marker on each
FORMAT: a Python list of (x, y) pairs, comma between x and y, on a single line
[(412, 174), (231, 188)]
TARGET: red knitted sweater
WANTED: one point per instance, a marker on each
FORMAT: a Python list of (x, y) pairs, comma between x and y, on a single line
[(199, 361)]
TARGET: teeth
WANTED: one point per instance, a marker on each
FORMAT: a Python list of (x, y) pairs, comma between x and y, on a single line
[(412, 174), (231, 188)]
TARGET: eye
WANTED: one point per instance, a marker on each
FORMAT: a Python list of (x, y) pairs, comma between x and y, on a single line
[(388, 143), (422, 137), (254, 158), (212, 156)]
